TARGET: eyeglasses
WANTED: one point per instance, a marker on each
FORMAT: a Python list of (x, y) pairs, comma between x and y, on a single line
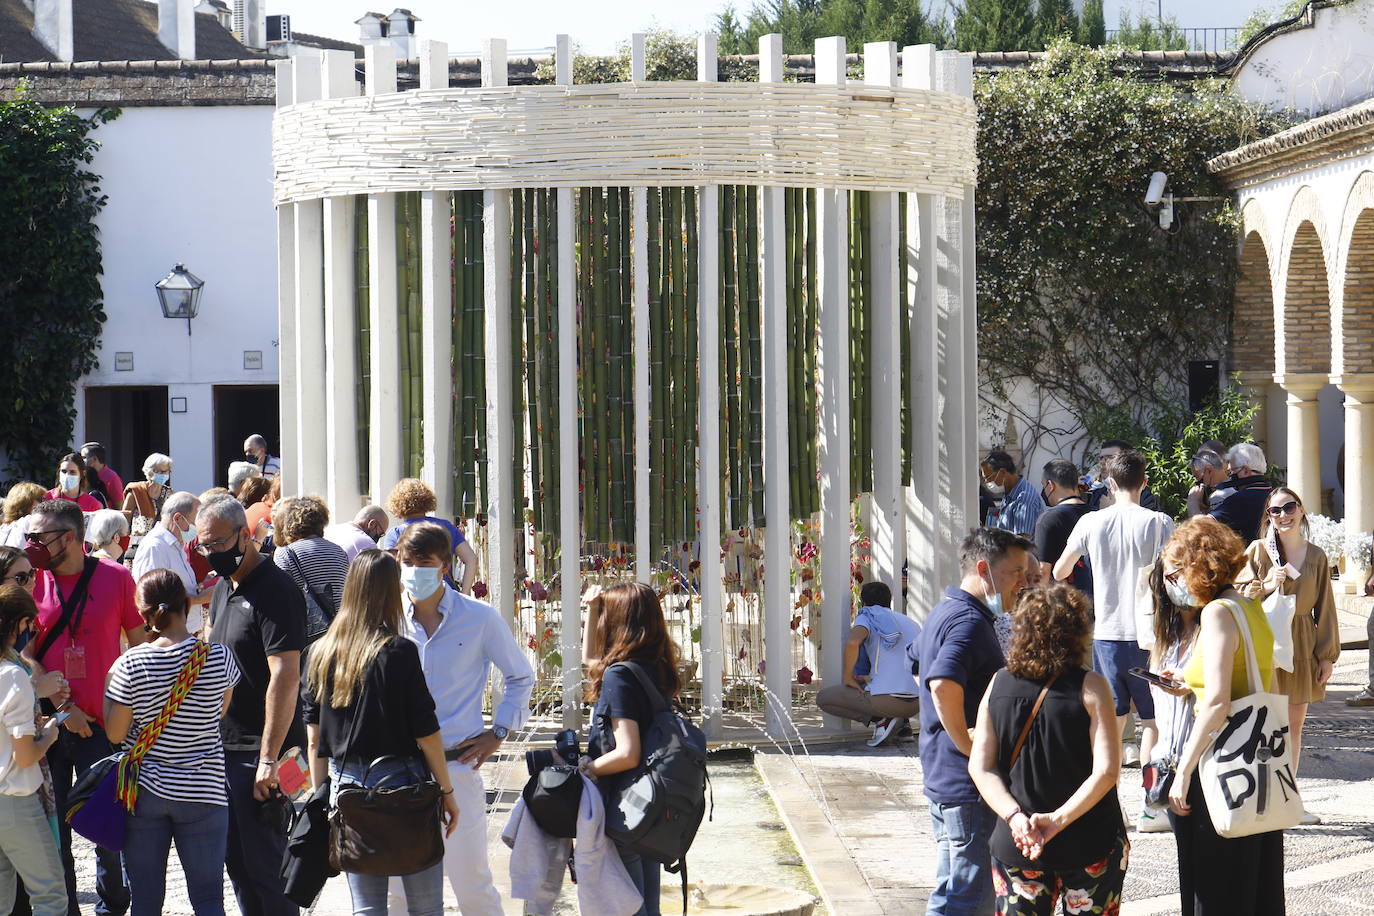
[(36, 537), (22, 579), (209, 547), (1173, 576), (1289, 508)]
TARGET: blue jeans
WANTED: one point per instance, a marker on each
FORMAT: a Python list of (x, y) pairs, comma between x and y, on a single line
[(646, 875), (253, 856), (68, 758), (27, 849), (201, 832), (963, 867), (424, 890)]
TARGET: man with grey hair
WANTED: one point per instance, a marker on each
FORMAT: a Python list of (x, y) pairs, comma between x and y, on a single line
[(239, 473), (361, 533), (165, 548), (258, 612), (1239, 502), (255, 451), (1209, 470)]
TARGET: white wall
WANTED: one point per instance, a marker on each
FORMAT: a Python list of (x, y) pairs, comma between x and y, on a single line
[(1318, 69), (189, 185)]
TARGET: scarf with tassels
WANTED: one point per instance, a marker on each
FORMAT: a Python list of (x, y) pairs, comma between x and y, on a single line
[(126, 783)]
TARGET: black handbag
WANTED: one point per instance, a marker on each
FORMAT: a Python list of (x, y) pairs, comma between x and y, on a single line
[(553, 797), (386, 829), (1158, 776)]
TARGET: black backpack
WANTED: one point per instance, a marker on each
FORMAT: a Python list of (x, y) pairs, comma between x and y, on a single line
[(658, 807)]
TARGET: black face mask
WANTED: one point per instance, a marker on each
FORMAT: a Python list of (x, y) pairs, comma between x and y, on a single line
[(225, 562)]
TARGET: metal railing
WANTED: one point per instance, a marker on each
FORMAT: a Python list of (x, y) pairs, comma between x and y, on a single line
[(1204, 39)]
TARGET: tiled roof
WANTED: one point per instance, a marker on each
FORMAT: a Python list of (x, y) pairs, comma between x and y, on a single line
[(1341, 132), (112, 30), (327, 44)]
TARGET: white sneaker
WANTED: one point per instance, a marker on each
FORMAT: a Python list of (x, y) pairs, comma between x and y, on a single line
[(1309, 819), (882, 731), (1152, 820), (1130, 755)]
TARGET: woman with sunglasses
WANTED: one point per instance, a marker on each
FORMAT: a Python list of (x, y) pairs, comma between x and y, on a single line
[(1282, 546)]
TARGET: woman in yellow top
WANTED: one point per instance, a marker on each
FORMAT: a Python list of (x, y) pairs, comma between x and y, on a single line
[(1316, 634), (1217, 875)]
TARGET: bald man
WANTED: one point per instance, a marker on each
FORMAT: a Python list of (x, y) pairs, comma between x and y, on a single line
[(361, 533)]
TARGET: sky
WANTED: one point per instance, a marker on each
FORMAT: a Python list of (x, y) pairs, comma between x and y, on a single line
[(597, 26)]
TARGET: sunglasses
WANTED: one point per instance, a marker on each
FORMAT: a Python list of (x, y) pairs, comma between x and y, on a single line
[(1289, 508), (22, 579)]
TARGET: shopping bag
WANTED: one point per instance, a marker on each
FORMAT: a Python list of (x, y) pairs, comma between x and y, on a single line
[(1279, 609)]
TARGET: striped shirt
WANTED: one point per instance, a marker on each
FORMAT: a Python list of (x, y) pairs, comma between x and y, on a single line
[(186, 763), (1020, 509), (321, 564)]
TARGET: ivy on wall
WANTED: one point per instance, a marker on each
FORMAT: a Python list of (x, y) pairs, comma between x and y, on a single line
[(50, 296), (1080, 293)]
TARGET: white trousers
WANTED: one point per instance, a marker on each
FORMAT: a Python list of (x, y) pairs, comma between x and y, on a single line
[(465, 852)]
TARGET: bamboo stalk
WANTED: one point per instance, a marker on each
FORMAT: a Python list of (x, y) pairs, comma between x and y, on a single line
[(730, 373), (363, 319), (626, 351), (691, 366), (755, 329), (656, 218)]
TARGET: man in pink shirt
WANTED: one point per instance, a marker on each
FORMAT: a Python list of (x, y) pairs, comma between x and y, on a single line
[(84, 606), (94, 453)]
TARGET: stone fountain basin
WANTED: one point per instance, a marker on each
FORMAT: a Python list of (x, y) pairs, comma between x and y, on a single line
[(736, 899)]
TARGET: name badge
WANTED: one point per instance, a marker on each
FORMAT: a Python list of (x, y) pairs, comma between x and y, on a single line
[(74, 663)]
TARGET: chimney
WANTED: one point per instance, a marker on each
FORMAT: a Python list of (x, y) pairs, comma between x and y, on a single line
[(176, 27), (220, 10), (52, 26), (250, 25), (400, 28), (371, 28)]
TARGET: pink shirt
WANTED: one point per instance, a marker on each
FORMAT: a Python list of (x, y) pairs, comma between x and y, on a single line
[(109, 610), (86, 501), (114, 487)]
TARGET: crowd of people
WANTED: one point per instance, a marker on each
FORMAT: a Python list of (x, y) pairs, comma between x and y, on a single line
[(282, 634)]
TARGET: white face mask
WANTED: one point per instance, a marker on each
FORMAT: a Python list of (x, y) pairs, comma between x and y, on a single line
[(1179, 594), (421, 581), (994, 597), (70, 482)]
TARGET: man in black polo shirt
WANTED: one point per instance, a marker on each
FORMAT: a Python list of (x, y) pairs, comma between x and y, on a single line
[(259, 613)]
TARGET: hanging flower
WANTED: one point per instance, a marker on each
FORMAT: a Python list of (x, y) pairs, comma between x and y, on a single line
[(538, 591), (804, 675), (479, 590), (807, 551)]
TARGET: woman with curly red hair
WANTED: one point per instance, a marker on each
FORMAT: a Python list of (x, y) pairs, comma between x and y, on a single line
[(1046, 758), (1200, 563)]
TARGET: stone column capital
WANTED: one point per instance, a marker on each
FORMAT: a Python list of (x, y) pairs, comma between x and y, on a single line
[(1302, 385), (1356, 385)]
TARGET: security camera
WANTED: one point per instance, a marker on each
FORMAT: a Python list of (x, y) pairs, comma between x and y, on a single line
[(1155, 195)]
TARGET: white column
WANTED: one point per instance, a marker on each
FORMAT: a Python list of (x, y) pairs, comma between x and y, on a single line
[(311, 471), (569, 502), (951, 237), (1304, 436), (924, 554), (436, 312), (832, 213), (963, 78), (708, 426), (340, 324), (286, 315), (384, 439), (496, 229), (639, 312), (885, 382), (1359, 453), (777, 467)]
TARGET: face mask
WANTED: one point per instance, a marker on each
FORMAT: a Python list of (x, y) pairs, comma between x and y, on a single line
[(226, 562), (161, 479), (124, 545), (994, 488), (70, 481), (116, 549), (1045, 496), (420, 581), (188, 535), (39, 556), (1179, 594), (994, 600)]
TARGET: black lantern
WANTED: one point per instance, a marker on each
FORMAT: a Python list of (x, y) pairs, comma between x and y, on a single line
[(179, 295)]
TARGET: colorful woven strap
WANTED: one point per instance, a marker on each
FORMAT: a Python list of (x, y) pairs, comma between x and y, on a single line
[(126, 784)]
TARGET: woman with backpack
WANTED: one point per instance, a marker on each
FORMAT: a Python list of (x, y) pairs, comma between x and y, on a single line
[(631, 629)]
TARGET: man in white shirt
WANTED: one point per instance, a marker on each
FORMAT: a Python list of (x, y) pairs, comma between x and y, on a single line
[(1118, 541), (165, 548), (255, 451), (361, 533), (460, 638)]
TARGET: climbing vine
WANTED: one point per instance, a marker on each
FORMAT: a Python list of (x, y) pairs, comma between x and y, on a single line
[(50, 295), (1086, 307)]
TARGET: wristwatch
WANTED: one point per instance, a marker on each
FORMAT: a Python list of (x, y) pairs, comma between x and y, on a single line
[(500, 731)]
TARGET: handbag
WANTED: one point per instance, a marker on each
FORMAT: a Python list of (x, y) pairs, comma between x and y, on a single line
[(553, 796), (319, 608), (1279, 610), (305, 863), (1247, 772), (101, 801), (386, 829), (1144, 605)]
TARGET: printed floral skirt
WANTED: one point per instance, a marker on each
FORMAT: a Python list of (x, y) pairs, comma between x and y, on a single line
[(1094, 889)]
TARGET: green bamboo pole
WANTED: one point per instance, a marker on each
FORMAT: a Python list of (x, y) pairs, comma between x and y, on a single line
[(620, 404), (548, 363), (654, 223), (793, 323), (730, 375), (904, 320), (590, 361), (690, 366), (363, 319), (755, 328), (626, 351)]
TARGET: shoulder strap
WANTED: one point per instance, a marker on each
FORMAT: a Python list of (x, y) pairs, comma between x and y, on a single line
[(69, 606), (1025, 729), (326, 604), (655, 695), (1247, 639), (127, 784)]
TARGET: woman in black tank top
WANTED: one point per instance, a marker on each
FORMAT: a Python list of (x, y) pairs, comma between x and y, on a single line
[(1050, 773)]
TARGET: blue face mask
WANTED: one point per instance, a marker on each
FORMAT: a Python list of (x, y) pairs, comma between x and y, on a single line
[(161, 479), (1179, 594), (421, 581), (994, 601), (70, 482)]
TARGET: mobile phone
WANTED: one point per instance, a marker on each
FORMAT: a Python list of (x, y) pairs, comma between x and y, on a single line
[(1155, 678), (61, 716)]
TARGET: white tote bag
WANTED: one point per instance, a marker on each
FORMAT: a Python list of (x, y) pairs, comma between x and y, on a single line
[(1279, 609), (1247, 774), (1144, 607)]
